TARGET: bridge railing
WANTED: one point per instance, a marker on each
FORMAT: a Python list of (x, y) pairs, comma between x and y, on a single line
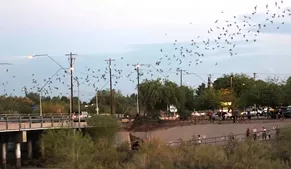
[(21, 122)]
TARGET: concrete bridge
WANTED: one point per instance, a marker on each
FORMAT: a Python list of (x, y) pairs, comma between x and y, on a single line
[(23, 132)]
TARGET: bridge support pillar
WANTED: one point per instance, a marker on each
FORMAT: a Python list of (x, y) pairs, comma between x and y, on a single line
[(18, 155), (29, 149), (3, 156)]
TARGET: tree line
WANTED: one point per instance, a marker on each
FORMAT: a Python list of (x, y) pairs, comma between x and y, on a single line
[(241, 90), (156, 95)]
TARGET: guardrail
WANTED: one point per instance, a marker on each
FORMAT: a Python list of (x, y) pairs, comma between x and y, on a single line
[(19, 122)]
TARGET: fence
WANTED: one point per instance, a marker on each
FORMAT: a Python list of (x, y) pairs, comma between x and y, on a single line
[(221, 140)]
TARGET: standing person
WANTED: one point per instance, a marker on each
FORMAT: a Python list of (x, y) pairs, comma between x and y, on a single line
[(219, 116), (269, 134), (248, 132), (264, 133), (233, 115), (209, 116), (213, 117), (249, 115), (199, 139), (254, 134)]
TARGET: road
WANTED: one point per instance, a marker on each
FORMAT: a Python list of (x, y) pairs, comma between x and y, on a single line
[(207, 130)]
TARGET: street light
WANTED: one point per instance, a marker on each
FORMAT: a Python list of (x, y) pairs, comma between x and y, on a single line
[(46, 55), (79, 102), (5, 63), (137, 68), (97, 104), (40, 90), (71, 70)]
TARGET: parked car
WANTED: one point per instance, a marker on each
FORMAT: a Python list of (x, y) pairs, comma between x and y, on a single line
[(286, 112), (83, 116), (253, 112)]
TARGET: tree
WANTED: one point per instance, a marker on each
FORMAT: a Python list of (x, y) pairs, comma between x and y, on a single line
[(189, 98), (157, 95), (103, 127), (209, 99), (286, 92), (150, 94), (240, 83), (67, 149), (200, 89)]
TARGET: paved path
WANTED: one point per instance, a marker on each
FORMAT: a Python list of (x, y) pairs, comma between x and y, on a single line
[(206, 130)]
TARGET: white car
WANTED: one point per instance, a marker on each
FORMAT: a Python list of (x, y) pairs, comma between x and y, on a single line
[(227, 115), (253, 112), (195, 114)]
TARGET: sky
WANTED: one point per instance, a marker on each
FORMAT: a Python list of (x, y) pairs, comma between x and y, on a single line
[(136, 31)]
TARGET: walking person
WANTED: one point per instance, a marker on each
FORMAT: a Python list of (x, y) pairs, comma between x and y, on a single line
[(213, 117)]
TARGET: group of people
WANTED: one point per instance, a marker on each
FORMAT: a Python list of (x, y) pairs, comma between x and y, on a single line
[(266, 134), (253, 134)]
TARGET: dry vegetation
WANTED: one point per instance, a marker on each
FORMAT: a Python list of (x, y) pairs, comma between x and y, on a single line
[(66, 149)]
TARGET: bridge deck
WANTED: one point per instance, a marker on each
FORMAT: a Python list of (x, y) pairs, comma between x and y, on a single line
[(20, 123)]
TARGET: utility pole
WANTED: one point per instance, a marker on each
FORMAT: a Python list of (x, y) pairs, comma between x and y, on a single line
[(25, 91), (255, 74), (209, 81), (79, 106), (137, 97), (137, 69), (97, 105), (110, 77), (72, 85), (231, 76), (137, 66), (232, 100), (181, 77)]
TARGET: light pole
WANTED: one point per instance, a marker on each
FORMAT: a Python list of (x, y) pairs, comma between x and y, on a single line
[(79, 104), (40, 91), (137, 69), (46, 55), (97, 103), (71, 70), (137, 66)]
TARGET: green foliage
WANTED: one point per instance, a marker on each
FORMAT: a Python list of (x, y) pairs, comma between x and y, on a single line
[(156, 95), (103, 127), (67, 149), (121, 104), (240, 83), (209, 99)]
